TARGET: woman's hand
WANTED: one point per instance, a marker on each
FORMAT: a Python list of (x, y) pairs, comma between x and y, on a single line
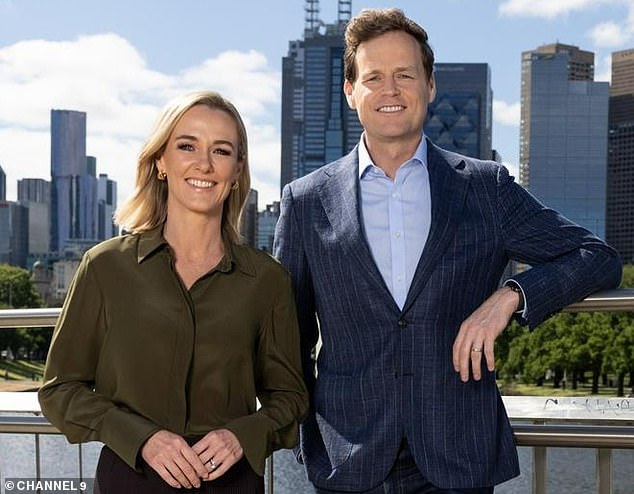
[(174, 460), (219, 450)]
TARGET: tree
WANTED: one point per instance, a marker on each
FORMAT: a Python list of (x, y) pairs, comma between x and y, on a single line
[(17, 292), (16, 289)]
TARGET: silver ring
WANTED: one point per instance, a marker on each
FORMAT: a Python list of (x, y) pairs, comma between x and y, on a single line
[(476, 349), (212, 464)]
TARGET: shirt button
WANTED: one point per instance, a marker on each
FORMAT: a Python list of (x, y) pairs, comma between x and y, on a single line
[(402, 323), (397, 234)]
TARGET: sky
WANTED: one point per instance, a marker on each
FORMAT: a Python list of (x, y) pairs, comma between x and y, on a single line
[(121, 61)]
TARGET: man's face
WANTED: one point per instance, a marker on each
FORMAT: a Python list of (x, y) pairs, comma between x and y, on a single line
[(392, 90)]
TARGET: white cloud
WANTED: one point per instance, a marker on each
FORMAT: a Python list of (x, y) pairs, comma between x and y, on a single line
[(609, 34), (121, 105), (505, 113), (547, 9)]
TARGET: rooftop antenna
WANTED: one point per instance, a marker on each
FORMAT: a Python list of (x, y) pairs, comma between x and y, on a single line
[(344, 11), (311, 9)]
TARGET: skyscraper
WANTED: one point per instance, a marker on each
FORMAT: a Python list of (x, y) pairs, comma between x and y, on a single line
[(459, 119), (35, 194), (267, 219), (74, 185), (13, 233), (3, 185), (106, 205), (317, 124), (620, 204), (563, 145)]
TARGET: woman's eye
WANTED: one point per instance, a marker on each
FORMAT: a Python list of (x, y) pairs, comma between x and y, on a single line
[(223, 152), (185, 146)]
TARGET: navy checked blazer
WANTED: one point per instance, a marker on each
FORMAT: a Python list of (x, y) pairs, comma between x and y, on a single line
[(384, 374)]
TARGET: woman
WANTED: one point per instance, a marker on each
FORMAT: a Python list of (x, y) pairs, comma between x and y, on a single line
[(169, 333)]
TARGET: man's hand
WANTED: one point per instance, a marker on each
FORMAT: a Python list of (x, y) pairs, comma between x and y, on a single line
[(478, 333), (219, 450), (173, 459)]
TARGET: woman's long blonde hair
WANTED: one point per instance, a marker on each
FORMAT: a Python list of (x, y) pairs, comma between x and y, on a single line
[(146, 208)]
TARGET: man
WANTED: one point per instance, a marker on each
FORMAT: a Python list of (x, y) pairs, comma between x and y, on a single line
[(397, 252)]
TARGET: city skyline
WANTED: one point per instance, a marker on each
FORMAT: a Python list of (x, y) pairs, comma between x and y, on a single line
[(50, 59)]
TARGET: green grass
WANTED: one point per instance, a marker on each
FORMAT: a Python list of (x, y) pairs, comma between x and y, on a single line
[(21, 369)]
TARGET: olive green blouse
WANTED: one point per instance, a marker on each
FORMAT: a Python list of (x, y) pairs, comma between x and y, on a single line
[(134, 352)]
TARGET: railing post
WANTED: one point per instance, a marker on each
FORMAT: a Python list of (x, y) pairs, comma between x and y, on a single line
[(604, 471), (81, 464), (270, 476), (37, 457), (540, 466)]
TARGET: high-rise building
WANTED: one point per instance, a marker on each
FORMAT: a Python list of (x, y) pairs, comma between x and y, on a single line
[(459, 119), (267, 219), (317, 124), (35, 194), (106, 205), (73, 181), (3, 185), (14, 234), (620, 203), (563, 144)]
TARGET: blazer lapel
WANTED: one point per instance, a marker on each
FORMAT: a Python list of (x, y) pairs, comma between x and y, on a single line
[(340, 200), (448, 193)]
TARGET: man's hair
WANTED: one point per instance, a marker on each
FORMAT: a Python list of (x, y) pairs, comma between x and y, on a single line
[(371, 23)]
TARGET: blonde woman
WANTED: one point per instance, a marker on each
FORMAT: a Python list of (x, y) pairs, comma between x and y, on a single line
[(170, 332)]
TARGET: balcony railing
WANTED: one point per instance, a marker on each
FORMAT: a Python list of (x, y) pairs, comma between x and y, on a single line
[(603, 424)]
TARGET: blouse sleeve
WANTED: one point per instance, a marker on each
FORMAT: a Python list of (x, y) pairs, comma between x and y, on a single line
[(68, 397), (280, 386)]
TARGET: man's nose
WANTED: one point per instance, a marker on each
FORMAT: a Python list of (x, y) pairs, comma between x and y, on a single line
[(390, 86)]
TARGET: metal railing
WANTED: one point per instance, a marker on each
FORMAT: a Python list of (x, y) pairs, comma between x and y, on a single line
[(539, 429)]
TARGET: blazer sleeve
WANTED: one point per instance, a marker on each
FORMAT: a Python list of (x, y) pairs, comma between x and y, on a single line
[(567, 262), (289, 249)]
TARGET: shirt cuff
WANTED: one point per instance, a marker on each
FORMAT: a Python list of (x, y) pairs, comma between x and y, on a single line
[(524, 311)]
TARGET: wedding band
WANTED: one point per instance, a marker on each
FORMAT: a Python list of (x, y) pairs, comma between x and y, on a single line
[(476, 349)]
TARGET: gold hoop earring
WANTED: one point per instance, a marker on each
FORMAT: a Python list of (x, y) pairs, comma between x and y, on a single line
[(161, 175), (235, 186)]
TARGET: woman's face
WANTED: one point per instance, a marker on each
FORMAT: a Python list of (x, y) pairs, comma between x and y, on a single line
[(201, 162)]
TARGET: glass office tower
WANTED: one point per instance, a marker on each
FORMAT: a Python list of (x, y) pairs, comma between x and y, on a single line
[(563, 144), (3, 185), (459, 119), (620, 215), (35, 193), (317, 124), (73, 181)]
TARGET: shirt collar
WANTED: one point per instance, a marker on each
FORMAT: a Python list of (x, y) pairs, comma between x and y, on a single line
[(152, 241), (366, 163)]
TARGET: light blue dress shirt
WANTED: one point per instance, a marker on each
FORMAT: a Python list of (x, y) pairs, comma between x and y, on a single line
[(396, 217)]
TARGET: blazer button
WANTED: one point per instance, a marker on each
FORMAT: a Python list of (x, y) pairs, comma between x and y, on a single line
[(402, 323)]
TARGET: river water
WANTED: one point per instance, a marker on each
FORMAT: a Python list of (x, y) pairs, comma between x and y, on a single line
[(570, 471)]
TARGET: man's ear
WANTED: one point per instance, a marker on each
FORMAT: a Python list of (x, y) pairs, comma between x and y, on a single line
[(347, 90)]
